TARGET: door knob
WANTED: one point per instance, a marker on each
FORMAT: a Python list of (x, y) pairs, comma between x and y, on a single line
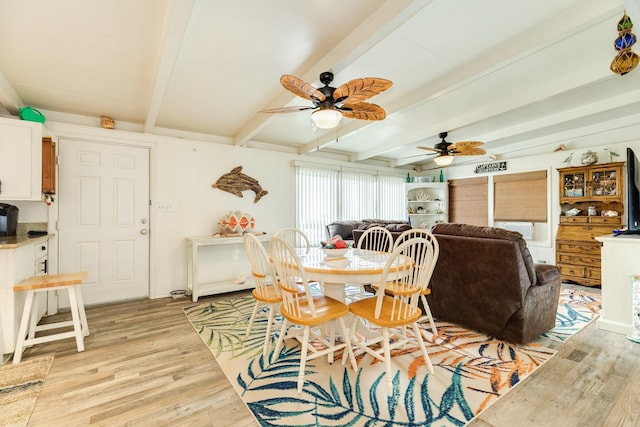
[(144, 231)]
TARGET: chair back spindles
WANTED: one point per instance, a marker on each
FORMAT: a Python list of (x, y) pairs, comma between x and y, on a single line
[(266, 290), (377, 239), (261, 267), (292, 278), (295, 237)]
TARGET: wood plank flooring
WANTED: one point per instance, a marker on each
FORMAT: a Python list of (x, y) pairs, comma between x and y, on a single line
[(144, 365)]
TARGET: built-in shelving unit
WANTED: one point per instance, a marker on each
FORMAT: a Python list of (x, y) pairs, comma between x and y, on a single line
[(427, 203)]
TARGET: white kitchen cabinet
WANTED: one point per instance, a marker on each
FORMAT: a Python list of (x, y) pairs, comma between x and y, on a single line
[(20, 160), (427, 203), (20, 258)]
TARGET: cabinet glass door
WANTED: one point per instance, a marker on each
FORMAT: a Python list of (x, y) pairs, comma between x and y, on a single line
[(574, 185), (604, 183)]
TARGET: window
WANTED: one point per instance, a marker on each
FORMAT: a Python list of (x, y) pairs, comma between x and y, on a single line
[(520, 197), (468, 202), (329, 194)]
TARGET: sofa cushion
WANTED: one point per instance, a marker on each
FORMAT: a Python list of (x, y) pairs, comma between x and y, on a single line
[(398, 228), (343, 228)]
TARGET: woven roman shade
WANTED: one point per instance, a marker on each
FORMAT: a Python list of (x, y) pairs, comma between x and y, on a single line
[(520, 197), (468, 201)]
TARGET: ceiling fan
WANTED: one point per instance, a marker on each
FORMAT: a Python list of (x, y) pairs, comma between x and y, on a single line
[(331, 103), (447, 150)]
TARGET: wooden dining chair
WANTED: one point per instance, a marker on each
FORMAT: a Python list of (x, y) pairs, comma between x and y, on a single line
[(377, 239), (295, 237), (311, 312), (299, 240), (424, 233), (266, 290), (393, 312)]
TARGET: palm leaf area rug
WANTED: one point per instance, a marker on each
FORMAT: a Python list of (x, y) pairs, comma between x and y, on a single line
[(472, 370)]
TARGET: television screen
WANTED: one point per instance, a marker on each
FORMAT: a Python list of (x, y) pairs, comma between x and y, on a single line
[(633, 194)]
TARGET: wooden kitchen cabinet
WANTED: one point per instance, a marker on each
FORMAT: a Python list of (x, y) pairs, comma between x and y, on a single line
[(599, 187), (20, 160), (48, 166)]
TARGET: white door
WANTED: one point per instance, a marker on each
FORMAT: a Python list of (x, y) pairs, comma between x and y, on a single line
[(103, 224)]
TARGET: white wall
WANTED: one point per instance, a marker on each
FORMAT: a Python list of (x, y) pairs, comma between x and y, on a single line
[(182, 172)]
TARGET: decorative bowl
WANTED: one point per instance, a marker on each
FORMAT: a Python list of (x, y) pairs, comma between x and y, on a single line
[(572, 212), (334, 253)]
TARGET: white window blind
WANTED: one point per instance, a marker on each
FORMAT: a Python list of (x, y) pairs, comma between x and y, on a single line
[(332, 194)]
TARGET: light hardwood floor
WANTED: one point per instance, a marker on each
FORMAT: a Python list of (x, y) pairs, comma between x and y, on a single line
[(144, 365)]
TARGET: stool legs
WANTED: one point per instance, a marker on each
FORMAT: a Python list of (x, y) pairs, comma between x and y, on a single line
[(22, 332), (83, 314), (30, 316)]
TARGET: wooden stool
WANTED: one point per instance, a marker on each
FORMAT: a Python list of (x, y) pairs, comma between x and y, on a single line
[(38, 284)]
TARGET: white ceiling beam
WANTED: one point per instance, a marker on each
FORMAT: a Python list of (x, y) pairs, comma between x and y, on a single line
[(533, 41), (516, 131), (576, 133), (176, 24), (387, 18)]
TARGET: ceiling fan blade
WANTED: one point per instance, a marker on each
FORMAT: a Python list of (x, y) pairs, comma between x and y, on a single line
[(362, 111), (460, 144), (301, 88), (473, 152), (283, 110), (466, 148), (358, 90)]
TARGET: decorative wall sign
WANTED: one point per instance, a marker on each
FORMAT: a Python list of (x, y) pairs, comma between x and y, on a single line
[(491, 167), (235, 182)]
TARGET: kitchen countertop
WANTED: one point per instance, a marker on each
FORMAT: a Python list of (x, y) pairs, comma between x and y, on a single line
[(13, 242)]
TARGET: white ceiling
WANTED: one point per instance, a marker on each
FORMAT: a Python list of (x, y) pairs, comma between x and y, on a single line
[(523, 76)]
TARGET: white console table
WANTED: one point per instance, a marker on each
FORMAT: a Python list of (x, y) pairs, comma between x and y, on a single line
[(217, 265), (620, 255)]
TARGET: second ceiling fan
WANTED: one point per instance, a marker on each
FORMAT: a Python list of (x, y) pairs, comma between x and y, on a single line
[(447, 150), (331, 103)]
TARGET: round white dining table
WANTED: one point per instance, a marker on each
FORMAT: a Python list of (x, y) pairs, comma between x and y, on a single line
[(357, 266)]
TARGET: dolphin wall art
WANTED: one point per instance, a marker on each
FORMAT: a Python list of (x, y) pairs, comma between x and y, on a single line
[(235, 182)]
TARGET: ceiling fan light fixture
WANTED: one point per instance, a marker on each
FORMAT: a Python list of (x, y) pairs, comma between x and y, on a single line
[(444, 160), (326, 118)]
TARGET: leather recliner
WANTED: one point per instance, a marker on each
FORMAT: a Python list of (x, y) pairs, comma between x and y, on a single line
[(486, 280)]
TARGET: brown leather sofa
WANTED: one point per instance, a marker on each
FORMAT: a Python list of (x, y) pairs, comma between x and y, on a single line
[(486, 280), (348, 229)]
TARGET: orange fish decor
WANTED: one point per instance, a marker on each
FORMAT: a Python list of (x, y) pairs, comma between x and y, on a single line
[(235, 182)]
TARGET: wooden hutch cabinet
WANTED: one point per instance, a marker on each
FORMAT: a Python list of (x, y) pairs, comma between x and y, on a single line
[(589, 195)]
